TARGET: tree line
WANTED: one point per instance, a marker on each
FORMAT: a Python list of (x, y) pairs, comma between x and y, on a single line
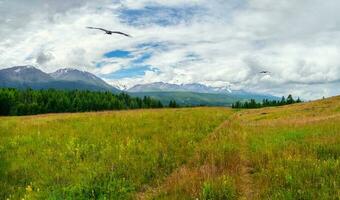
[(266, 103), (31, 102), (173, 104)]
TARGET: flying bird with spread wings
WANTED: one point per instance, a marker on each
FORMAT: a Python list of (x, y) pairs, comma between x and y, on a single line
[(264, 72), (110, 32)]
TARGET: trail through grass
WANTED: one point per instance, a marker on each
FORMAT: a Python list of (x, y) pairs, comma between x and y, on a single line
[(111, 155), (290, 152)]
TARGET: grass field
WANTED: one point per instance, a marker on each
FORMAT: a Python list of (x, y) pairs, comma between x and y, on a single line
[(289, 152)]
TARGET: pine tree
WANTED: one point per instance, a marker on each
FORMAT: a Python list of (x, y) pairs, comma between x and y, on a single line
[(290, 99), (26, 102)]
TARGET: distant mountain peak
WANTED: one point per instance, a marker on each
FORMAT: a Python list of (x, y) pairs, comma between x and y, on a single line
[(68, 78), (24, 74), (69, 70), (169, 87), (24, 67), (65, 70), (71, 74)]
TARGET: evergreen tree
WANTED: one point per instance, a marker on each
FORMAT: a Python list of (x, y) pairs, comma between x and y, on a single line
[(28, 102), (283, 100), (265, 103), (173, 104), (290, 99)]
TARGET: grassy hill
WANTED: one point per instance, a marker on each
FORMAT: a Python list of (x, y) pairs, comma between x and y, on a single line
[(289, 152)]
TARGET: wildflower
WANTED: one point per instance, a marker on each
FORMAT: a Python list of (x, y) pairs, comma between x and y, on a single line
[(29, 188)]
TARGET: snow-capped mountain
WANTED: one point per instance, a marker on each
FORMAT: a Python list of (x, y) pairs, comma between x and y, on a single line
[(201, 88), (155, 87), (23, 74), (160, 90), (69, 74), (168, 87), (120, 86), (31, 77)]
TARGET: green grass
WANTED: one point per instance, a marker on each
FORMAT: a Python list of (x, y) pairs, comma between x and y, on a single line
[(221, 188), (293, 163), (290, 152), (110, 155), (296, 155)]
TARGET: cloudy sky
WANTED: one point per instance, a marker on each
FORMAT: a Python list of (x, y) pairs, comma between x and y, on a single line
[(215, 42)]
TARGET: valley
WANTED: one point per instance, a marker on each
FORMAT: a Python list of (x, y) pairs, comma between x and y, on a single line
[(288, 152), (195, 94)]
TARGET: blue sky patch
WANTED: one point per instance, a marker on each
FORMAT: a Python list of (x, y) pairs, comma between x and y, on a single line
[(130, 72), (159, 15), (142, 58), (117, 54), (103, 63), (136, 66), (153, 45)]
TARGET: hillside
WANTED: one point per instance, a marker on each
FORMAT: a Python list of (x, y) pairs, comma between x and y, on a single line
[(195, 94), (168, 87), (289, 152), (22, 77), (196, 99), (64, 79), (191, 98), (69, 74)]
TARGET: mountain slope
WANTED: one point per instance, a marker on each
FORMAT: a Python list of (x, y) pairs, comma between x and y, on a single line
[(22, 75), (193, 98), (75, 75), (155, 87), (194, 94), (168, 87), (196, 88), (31, 77)]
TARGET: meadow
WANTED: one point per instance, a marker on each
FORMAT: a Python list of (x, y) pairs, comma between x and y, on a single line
[(288, 152)]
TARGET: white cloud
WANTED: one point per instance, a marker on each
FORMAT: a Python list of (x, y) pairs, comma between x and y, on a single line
[(225, 42)]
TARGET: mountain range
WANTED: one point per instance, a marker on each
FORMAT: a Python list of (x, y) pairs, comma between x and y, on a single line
[(193, 87), (195, 94), (70, 79), (168, 87), (31, 77)]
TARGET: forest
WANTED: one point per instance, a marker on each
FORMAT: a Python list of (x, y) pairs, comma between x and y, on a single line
[(266, 103), (30, 102)]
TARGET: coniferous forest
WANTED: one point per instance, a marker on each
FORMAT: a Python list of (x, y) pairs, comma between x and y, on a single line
[(31, 102), (266, 103)]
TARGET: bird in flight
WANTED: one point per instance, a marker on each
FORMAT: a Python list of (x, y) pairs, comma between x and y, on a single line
[(264, 72), (110, 32)]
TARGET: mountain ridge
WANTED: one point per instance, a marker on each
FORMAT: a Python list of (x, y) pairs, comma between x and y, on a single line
[(67, 78), (70, 74), (192, 87), (70, 79)]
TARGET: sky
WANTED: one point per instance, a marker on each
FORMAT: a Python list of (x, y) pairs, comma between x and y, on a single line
[(213, 42)]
